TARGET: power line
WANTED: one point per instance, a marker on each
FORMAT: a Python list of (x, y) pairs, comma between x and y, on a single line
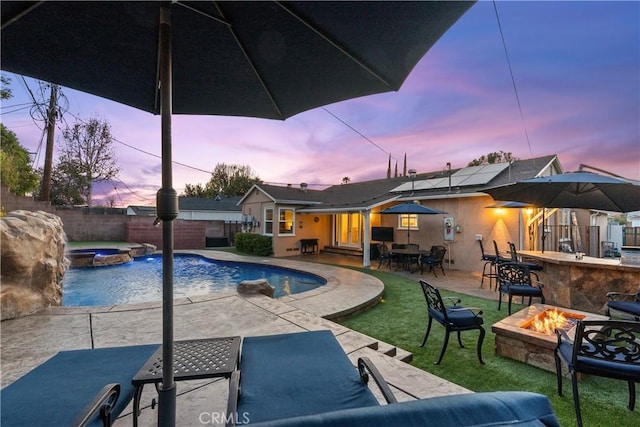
[(513, 80), (358, 132)]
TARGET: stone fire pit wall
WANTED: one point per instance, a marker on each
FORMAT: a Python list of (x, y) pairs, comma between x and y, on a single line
[(529, 346)]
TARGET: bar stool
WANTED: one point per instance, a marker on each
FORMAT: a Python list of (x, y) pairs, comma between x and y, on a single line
[(532, 266), (490, 261)]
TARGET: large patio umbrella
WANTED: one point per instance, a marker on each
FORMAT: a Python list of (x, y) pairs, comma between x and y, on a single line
[(583, 190), (410, 209), (580, 190), (256, 59)]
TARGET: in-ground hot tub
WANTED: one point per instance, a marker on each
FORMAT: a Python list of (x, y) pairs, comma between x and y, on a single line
[(96, 257)]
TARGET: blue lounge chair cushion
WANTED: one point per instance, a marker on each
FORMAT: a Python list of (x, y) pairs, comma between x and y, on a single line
[(473, 409), (630, 307), (55, 392), (298, 374)]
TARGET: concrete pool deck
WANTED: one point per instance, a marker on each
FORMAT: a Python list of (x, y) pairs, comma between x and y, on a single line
[(29, 341)]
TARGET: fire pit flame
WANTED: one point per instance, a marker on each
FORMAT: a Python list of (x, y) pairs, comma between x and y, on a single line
[(550, 320)]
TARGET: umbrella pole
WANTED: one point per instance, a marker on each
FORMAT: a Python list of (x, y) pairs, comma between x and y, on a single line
[(544, 229), (167, 209)]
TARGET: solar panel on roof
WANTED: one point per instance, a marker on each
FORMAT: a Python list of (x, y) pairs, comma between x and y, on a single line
[(469, 176)]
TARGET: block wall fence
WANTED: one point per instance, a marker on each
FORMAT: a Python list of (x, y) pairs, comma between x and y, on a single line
[(104, 224)]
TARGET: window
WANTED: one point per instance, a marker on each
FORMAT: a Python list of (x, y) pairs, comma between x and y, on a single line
[(286, 221), (268, 221), (408, 221)]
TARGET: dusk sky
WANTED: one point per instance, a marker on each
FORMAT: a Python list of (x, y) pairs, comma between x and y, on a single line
[(576, 67)]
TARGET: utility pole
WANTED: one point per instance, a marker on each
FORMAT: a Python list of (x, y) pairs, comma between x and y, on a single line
[(52, 113)]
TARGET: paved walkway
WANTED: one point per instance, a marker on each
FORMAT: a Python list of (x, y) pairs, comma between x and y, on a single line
[(28, 341)]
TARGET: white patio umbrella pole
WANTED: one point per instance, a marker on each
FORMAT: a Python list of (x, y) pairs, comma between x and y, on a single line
[(167, 210)]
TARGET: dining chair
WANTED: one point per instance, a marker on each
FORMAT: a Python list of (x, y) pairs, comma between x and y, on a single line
[(384, 257), (514, 279), (454, 317), (605, 348), (434, 259)]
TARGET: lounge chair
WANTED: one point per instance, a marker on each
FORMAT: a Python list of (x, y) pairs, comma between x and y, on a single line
[(74, 388), (306, 379)]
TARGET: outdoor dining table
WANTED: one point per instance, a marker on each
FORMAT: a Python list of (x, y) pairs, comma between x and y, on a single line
[(406, 255)]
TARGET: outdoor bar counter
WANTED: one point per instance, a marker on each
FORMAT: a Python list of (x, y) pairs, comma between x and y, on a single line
[(582, 284)]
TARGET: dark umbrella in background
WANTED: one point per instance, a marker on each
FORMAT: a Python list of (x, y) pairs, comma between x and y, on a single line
[(579, 190), (255, 59), (410, 209)]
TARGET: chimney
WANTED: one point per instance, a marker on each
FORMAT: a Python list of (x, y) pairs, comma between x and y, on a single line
[(303, 186)]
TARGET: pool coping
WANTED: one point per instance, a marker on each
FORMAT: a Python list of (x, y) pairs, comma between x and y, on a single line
[(346, 292)]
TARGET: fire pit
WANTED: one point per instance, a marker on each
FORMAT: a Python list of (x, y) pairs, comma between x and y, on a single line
[(518, 339)]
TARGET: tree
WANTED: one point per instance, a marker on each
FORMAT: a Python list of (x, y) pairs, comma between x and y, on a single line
[(16, 172), (226, 180), (88, 155), (346, 180), (5, 90), (68, 184), (492, 158)]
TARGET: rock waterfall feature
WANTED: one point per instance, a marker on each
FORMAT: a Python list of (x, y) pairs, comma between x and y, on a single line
[(33, 262)]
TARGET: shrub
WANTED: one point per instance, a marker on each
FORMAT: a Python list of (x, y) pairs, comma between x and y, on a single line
[(253, 244)]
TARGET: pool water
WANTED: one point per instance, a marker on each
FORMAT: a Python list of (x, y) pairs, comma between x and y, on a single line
[(141, 280)]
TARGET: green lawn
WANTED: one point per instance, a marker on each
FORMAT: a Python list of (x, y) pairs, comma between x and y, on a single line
[(400, 319)]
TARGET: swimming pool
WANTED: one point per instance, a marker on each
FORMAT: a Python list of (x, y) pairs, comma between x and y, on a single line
[(141, 280)]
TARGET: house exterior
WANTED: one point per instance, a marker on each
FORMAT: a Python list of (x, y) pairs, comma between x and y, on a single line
[(343, 216)]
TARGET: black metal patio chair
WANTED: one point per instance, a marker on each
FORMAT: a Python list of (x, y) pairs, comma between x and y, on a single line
[(624, 305), (433, 260), (605, 348), (384, 256), (514, 279), (454, 318)]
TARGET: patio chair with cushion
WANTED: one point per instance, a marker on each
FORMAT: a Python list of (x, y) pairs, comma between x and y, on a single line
[(624, 305), (514, 279), (454, 318), (605, 348), (384, 257), (434, 259), (79, 387)]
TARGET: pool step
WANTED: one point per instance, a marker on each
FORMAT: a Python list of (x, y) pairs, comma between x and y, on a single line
[(393, 351)]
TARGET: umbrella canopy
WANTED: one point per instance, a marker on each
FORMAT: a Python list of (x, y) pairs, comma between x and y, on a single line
[(509, 205), (257, 59), (584, 190), (410, 209)]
